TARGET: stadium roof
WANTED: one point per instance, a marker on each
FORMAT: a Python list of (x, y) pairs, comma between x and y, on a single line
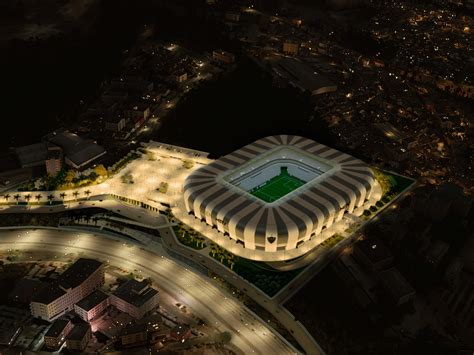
[(291, 219)]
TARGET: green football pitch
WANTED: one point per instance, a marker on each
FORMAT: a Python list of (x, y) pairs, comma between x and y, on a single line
[(277, 186)]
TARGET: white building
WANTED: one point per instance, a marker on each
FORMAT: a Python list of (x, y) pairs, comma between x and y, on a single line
[(135, 298), (92, 305), (77, 282)]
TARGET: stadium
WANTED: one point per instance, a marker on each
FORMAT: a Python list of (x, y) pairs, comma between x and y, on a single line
[(278, 193)]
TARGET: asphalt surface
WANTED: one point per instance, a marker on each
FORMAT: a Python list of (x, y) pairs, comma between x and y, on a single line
[(206, 300)]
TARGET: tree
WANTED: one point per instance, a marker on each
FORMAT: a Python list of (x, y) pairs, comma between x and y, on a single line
[(38, 197), (62, 195), (28, 197), (17, 198), (100, 170), (69, 177), (87, 193), (75, 194), (6, 197), (224, 338), (50, 198)]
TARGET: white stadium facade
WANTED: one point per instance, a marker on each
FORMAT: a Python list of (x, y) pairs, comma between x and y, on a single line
[(315, 186)]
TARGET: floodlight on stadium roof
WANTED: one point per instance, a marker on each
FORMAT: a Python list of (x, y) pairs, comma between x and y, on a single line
[(277, 193)]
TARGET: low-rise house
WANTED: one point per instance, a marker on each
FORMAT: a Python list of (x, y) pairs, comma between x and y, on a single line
[(115, 123), (181, 76), (56, 334), (396, 286), (79, 337), (373, 254), (180, 332), (133, 335), (223, 57), (291, 48)]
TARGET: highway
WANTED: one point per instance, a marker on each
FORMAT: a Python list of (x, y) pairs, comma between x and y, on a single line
[(214, 305)]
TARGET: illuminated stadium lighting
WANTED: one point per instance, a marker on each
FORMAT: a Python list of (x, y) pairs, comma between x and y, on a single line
[(277, 193)]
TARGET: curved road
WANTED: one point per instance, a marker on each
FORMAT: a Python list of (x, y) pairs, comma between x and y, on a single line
[(208, 301)]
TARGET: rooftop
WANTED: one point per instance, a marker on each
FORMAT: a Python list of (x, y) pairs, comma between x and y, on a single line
[(374, 250), (79, 272), (31, 155), (71, 278), (180, 331), (136, 293), (57, 327), (92, 300), (134, 329), (79, 331), (78, 150), (395, 283), (48, 294), (302, 75), (24, 289)]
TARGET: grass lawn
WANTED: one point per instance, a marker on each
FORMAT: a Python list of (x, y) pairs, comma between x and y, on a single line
[(258, 273), (261, 275), (277, 186), (187, 238)]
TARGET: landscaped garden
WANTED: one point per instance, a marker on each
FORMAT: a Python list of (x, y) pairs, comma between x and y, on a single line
[(67, 179), (392, 185), (188, 164), (123, 162), (189, 237), (258, 273), (332, 241), (163, 188)]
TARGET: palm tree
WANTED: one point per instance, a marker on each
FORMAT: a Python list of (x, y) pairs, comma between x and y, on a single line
[(28, 197), (87, 193), (50, 198), (63, 195), (6, 197), (38, 197), (75, 194), (17, 198), (213, 250)]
